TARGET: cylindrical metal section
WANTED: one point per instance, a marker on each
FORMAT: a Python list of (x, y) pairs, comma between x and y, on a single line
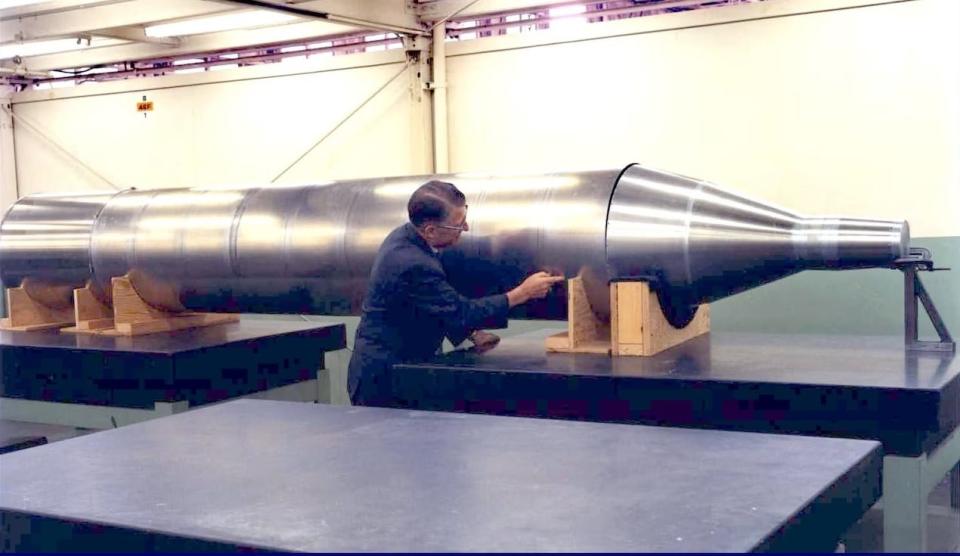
[(827, 243), (522, 224), (310, 248), (47, 238)]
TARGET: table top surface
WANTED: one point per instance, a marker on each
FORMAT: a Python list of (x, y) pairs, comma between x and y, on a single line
[(291, 476), (172, 342), (859, 361)]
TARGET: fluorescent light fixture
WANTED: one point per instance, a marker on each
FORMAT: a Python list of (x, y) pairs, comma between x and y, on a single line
[(238, 20), (37, 48), (564, 17), (564, 11)]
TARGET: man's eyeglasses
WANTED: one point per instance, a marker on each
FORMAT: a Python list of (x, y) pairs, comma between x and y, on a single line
[(460, 227)]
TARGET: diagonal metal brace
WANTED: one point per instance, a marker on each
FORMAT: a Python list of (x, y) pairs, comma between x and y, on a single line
[(913, 291)]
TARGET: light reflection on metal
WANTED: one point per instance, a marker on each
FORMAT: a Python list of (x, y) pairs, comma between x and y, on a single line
[(476, 184)]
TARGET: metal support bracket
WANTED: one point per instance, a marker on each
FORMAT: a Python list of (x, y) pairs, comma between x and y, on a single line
[(920, 260), (417, 49)]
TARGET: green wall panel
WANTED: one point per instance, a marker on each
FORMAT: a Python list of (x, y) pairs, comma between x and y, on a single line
[(868, 302)]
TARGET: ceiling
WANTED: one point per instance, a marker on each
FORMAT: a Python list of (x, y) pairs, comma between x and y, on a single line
[(97, 32)]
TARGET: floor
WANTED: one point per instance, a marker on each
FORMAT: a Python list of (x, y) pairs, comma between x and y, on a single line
[(16, 435), (943, 522)]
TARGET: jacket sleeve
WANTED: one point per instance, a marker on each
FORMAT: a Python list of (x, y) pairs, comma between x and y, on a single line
[(433, 297)]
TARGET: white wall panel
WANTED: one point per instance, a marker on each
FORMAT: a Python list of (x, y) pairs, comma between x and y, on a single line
[(232, 132), (851, 111)]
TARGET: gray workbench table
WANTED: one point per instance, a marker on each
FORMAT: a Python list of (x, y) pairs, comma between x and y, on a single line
[(842, 386), (94, 381), (292, 476)]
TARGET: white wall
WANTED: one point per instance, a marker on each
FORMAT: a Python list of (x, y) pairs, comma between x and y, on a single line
[(205, 131), (850, 111)]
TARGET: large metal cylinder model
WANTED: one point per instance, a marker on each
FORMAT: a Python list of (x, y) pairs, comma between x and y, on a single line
[(309, 248)]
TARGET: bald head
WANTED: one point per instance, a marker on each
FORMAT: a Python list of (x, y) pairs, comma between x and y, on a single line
[(434, 202)]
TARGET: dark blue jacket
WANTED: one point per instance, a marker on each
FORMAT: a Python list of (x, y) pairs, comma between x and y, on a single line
[(409, 308)]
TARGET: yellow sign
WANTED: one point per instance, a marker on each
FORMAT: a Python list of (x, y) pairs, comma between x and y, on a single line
[(145, 106)]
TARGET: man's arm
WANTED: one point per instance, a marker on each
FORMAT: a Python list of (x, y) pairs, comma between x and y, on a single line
[(434, 297)]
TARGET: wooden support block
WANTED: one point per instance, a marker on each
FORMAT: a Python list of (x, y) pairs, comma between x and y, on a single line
[(560, 343), (96, 324), (91, 313), (585, 328), (637, 325), (92, 326), (171, 323), (5, 325), (132, 316), (30, 309), (27, 313), (129, 307), (585, 332)]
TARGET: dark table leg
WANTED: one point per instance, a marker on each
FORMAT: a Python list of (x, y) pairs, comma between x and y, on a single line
[(955, 487)]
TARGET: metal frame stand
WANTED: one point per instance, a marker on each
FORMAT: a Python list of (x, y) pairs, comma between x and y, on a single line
[(919, 260), (907, 481)]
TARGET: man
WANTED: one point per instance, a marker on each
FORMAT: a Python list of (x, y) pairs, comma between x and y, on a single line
[(410, 306)]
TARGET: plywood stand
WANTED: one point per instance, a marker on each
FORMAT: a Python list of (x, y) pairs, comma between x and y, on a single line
[(89, 312), (28, 312), (130, 315), (637, 326)]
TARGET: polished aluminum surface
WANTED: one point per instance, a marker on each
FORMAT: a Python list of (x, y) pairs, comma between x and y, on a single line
[(703, 243), (310, 248), (46, 238)]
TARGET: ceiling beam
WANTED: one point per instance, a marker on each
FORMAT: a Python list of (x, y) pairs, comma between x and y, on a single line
[(81, 19), (8, 72), (385, 15), (135, 34), (187, 45), (439, 9), (45, 8)]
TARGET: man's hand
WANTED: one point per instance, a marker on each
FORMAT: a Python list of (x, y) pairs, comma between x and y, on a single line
[(484, 341), (536, 286)]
